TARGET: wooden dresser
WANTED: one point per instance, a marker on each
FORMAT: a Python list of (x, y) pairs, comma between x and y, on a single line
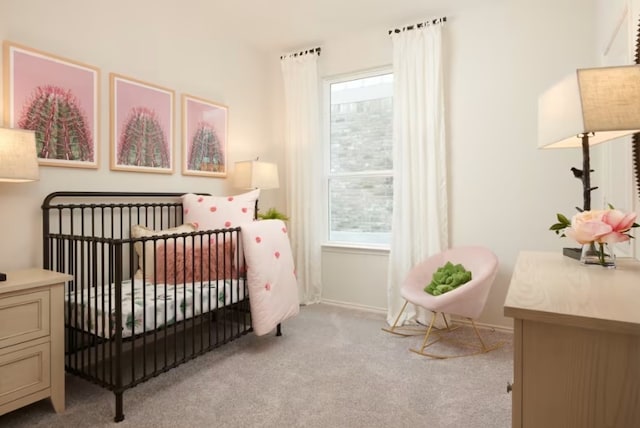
[(576, 342), (32, 338)]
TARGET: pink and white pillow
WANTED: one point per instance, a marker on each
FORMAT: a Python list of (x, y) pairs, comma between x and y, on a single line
[(148, 261), (219, 212), (271, 278)]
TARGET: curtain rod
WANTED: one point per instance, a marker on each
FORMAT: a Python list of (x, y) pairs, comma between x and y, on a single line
[(295, 54), (419, 25)]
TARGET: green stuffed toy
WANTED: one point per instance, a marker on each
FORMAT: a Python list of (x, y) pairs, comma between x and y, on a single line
[(447, 278)]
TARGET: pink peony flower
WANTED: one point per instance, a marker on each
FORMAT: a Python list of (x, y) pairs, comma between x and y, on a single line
[(595, 230), (587, 226), (620, 223), (602, 226)]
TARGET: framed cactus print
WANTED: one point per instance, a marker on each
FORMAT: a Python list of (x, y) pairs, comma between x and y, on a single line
[(204, 137), (58, 99), (141, 126)]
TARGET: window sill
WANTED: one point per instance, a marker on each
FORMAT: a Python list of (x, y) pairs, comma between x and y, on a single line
[(354, 248)]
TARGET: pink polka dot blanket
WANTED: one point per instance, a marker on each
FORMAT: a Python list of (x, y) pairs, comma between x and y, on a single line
[(271, 276)]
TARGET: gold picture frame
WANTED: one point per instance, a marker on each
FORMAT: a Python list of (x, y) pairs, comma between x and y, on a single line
[(141, 126), (204, 137), (56, 97)]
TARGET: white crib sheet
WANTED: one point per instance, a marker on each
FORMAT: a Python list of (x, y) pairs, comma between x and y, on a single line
[(147, 307)]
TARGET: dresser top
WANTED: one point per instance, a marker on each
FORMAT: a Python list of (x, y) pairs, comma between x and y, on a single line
[(26, 279), (550, 287)]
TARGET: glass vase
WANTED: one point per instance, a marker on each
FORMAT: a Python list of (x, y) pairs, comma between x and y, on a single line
[(598, 254)]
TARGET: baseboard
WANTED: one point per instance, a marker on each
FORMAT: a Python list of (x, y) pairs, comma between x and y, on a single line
[(484, 325), (383, 311), (348, 305)]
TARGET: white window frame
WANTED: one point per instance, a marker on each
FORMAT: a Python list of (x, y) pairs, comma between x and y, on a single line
[(326, 136)]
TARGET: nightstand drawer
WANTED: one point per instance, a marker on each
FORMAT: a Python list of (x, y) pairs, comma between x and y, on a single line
[(24, 371), (24, 317)]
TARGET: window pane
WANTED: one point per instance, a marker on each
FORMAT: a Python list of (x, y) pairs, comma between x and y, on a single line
[(361, 125), (360, 209)]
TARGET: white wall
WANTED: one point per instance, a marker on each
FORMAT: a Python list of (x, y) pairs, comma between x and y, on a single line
[(173, 48), (504, 193), (501, 54)]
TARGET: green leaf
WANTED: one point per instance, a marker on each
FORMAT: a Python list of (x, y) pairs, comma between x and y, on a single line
[(562, 219), (273, 213)]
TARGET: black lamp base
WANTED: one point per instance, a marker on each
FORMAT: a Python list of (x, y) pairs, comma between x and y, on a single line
[(3, 276), (574, 253)]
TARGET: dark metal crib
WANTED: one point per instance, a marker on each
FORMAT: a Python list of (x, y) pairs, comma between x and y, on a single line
[(86, 234)]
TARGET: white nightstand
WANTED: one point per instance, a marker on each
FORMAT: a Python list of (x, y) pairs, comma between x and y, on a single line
[(32, 338)]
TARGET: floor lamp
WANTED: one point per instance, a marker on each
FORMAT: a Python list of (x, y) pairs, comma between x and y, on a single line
[(255, 174), (18, 159), (589, 107)]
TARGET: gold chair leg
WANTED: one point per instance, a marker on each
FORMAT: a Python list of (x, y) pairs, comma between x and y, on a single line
[(426, 336), (445, 320), (402, 330), (446, 323), (395, 323), (425, 341), (483, 348)]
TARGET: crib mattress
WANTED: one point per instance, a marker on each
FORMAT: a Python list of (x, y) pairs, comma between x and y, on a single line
[(147, 306)]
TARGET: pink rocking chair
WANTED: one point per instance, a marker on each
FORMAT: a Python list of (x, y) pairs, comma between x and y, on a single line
[(466, 301)]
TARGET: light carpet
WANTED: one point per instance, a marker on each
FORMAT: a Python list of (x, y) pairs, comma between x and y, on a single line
[(333, 367)]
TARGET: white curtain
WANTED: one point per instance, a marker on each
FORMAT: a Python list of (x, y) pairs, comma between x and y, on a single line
[(302, 146), (419, 223)]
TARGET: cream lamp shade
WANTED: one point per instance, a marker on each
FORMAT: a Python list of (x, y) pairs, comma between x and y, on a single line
[(18, 159), (255, 174), (601, 102)]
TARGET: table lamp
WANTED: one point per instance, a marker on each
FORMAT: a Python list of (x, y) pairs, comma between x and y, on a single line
[(18, 159), (589, 107), (255, 174)]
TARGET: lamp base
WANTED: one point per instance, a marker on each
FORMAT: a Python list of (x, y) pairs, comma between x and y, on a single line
[(574, 253), (3, 276)]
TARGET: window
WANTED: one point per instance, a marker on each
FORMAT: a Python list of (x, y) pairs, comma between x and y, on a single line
[(360, 163)]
